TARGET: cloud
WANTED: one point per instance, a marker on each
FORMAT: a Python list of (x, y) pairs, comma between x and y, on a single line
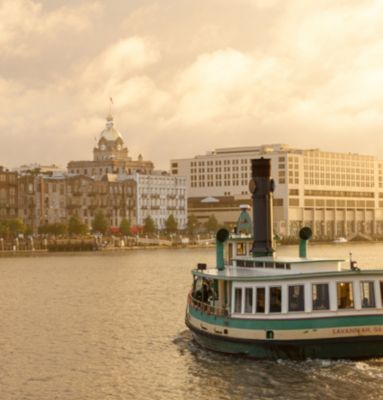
[(188, 77), (23, 22), (120, 60)]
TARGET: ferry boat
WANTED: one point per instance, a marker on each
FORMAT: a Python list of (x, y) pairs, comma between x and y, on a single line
[(265, 306)]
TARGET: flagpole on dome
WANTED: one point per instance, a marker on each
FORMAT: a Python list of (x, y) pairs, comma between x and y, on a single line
[(110, 105)]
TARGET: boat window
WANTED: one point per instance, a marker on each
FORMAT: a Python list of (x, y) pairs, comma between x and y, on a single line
[(240, 263), (296, 298), (321, 299), (280, 266), (269, 265), (288, 266), (275, 299), (249, 264), (259, 264), (241, 249), (345, 295), (238, 300), (260, 306), (248, 300), (367, 294)]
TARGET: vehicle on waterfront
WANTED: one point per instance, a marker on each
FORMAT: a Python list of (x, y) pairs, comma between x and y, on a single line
[(340, 240), (258, 304)]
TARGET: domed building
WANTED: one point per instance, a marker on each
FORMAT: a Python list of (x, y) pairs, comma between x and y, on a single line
[(110, 156), (122, 187)]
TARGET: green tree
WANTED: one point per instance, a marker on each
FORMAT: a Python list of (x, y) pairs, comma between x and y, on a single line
[(76, 226), (59, 228), (192, 224), (56, 228), (211, 225), (125, 227), (12, 227), (149, 226), (100, 223), (3, 229), (171, 224)]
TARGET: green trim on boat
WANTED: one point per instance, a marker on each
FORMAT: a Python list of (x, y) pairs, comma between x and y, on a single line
[(286, 324)]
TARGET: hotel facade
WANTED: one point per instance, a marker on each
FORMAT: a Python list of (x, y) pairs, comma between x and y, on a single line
[(336, 194)]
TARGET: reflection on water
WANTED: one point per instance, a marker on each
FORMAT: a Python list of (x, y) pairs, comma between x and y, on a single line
[(112, 327)]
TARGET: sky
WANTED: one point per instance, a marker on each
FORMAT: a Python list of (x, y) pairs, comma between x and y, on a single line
[(189, 76)]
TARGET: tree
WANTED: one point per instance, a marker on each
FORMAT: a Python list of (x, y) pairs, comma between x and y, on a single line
[(149, 225), (192, 224), (56, 228), (211, 224), (12, 227), (76, 226), (171, 224), (100, 223), (3, 229), (125, 227)]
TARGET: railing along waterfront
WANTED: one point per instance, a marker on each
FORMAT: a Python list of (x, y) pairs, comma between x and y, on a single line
[(207, 307)]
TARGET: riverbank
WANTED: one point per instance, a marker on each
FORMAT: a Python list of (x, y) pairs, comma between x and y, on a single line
[(101, 251)]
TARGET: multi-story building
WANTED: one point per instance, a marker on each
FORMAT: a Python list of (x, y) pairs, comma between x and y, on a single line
[(8, 194), (156, 193), (30, 205), (160, 195), (336, 194)]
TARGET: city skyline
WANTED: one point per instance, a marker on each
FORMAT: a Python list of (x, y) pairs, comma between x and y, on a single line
[(187, 78)]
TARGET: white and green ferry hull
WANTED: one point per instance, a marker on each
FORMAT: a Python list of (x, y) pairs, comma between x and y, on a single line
[(353, 337)]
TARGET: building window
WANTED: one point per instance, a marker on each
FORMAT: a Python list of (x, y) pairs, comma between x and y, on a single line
[(320, 296), (260, 305), (275, 299), (367, 294), (296, 298), (345, 295)]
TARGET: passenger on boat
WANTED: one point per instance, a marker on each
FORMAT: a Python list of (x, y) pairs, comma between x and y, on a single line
[(206, 291)]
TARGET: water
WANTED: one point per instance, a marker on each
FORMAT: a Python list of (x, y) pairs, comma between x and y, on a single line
[(112, 327)]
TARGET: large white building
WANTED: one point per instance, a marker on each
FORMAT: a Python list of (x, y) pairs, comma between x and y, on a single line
[(160, 195), (336, 194)]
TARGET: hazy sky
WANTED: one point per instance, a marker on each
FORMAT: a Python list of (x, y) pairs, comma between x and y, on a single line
[(188, 76)]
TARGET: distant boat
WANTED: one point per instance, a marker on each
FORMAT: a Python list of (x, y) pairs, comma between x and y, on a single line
[(340, 240)]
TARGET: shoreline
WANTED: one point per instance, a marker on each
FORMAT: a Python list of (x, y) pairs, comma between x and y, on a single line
[(46, 253), (104, 251)]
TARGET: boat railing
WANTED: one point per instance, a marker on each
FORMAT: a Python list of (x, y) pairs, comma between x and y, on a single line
[(207, 307)]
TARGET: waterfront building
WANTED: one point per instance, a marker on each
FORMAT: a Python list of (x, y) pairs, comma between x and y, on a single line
[(336, 194), (8, 194), (156, 193), (159, 195), (31, 190)]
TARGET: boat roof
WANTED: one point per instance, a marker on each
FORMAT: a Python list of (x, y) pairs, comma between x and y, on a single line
[(252, 274), (289, 260)]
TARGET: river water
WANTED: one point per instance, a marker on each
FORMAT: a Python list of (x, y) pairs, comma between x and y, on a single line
[(111, 326)]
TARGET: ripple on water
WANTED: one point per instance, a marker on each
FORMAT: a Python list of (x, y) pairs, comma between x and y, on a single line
[(112, 327)]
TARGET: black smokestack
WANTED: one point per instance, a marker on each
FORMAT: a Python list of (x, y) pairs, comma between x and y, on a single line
[(262, 187)]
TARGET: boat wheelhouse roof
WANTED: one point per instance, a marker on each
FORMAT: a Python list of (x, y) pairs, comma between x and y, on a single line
[(289, 260), (252, 274)]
